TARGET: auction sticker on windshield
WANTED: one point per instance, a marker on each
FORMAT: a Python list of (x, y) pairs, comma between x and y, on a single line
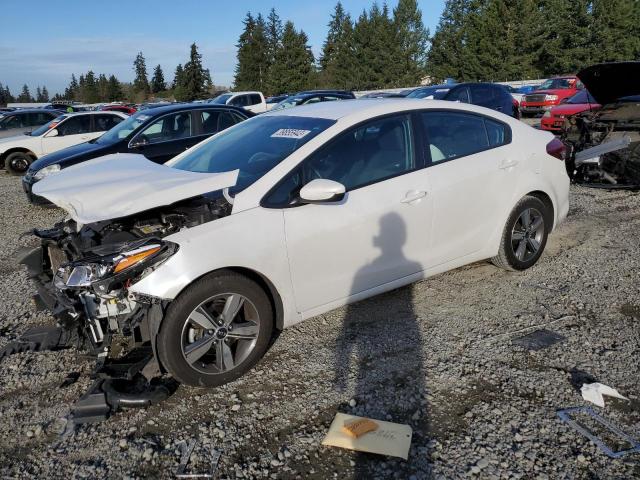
[(290, 133)]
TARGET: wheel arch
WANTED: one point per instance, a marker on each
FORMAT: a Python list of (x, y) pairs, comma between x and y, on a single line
[(548, 202), (5, 154)]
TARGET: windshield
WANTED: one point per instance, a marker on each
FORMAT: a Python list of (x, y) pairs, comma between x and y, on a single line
[(582, 96), (288, 103), (557, 83), (47, 126), (221, 99), (254, 147), (433, 92), (123, 129)]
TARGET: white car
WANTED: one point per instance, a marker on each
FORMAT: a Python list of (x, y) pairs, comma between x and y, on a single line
[(18, 152), (252, 101), (286, 216)]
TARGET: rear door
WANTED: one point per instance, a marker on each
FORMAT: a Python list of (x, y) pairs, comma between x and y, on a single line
[(14, 124), (73, 130), (104, 122), (166, 137), (472, 164)]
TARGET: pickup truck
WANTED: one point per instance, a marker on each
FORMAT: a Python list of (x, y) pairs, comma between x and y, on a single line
[(549, 94), (252, 101)]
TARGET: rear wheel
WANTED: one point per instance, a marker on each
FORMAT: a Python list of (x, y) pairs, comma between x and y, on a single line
[(17, 163), (524, 236), (216, 330)]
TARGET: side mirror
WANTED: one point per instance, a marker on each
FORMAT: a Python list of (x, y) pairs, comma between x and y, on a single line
[(139, 142), (322, 190), (53, 132)]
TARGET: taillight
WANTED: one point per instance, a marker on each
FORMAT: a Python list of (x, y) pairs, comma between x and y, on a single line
[(557, 149)]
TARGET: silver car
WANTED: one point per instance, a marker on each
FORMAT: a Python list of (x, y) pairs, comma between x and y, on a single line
[(21, 121)]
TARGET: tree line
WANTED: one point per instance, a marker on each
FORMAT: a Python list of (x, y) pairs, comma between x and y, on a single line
[(25, 96), (518, 39), (380, 49)]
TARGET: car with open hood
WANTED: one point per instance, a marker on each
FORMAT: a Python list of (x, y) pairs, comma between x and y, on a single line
[(18, 152), (158, 134), (283, 217), (553, 120), (605, 143)]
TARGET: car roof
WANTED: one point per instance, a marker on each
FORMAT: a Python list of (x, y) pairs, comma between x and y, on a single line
[(371, 107), (32, 110), (242, 93), (93, 112), (175, 107)]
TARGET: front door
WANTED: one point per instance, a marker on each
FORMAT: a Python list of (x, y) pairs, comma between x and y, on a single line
[(72, 131)]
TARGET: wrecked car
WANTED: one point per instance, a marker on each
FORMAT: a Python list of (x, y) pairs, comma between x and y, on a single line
[(280, 218), (604, 144)]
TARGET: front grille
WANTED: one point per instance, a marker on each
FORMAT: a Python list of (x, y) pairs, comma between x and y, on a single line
[(535, 98)]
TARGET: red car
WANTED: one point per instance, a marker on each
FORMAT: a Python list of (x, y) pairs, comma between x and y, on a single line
[(553, 119), (120, 108), (550, 94)]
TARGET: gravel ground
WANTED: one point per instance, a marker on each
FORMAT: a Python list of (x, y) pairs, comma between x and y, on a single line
[(437, 355)]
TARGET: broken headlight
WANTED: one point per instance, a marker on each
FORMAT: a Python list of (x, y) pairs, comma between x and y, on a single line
[(46, 171), (84, 274)]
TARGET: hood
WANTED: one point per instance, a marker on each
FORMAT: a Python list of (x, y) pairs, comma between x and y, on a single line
[(71, 155), (608, 82), (573, 108), (122, 184)]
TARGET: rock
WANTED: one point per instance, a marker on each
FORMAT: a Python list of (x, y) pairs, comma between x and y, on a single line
[(352, 402), (235, 407), (147, 455), (123, 444)]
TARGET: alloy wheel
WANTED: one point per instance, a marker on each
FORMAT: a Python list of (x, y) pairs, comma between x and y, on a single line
[(527, 234)]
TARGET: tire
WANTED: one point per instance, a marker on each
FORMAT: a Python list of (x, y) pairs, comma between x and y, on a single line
[(200, 345), (518, 243), (17, 163)]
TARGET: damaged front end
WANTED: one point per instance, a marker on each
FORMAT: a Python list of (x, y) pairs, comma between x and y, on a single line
[(83, 274), (605, 144)]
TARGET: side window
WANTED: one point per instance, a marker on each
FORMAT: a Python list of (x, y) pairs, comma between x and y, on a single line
[(311, 100), (17, 121), (482, 93), (459, 95), (228, 119), (102, 123), (75, 125), (330, 98), (209, 120), (452, 134), (367, 154), (240, 101), (254, 99), (169, 127)]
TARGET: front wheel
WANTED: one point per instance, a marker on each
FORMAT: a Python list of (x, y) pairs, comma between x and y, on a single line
[(524, 236), (17, 163), (216, 330)]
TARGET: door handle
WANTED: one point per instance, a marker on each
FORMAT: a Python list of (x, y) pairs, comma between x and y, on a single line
[(504, 164), (413, 195)]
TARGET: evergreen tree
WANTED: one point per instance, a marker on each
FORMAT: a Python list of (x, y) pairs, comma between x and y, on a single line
[(253, 55), (273, 34), (337, 59), (71, 92), (177, 76), (383, 49), (294, 64), (413, 40), (114, 90), (5, 95), (194, 79), (363, 74), (45, 94), (103, 88), (157, 82), (38, 94), (90, 91), (140, 82), (25, 95), (614, 22), (446, 55)]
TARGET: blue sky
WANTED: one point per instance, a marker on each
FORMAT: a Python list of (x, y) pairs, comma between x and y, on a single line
[(43, 42)]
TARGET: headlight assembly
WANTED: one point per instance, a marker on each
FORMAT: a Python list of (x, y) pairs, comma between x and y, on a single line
[(46, 171), (103, 271)]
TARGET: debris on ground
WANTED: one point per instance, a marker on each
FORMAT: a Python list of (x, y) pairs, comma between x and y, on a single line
[(593, 392), (618, 443), (392, 439), (538, 340), (187, 449)]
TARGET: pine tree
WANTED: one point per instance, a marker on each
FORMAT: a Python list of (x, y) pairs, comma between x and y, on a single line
[(253, 55), (383, 48), (5, 96), (140, 83), (72, 91), (413, 40), (613, 24), (90, 91), (103, 88), (25, 95), (114, 90), (446, 55), (363, 73), (273, 34), (193, 79), (45, 94), (38, 94), (157, 82), (294, 63), (337, 59), (177, 76)]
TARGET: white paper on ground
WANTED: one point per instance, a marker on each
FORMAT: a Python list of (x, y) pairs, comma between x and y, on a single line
[(593, 392), (393, 439)]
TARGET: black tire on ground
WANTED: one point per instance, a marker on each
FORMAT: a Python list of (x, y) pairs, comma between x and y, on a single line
[(17, 163), (519, 241), (176, 328)]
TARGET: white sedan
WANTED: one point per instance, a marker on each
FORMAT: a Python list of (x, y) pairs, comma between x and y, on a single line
[(291, 214), (18, 152)]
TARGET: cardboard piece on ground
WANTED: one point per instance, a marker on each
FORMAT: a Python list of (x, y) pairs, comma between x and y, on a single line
[(393, 439), (593, 392)]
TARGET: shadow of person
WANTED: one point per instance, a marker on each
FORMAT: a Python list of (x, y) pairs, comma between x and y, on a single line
[(380, 350)]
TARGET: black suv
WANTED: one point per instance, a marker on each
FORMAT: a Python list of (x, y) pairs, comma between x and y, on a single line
[(313, 96), (488, 95), (158, 133)]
